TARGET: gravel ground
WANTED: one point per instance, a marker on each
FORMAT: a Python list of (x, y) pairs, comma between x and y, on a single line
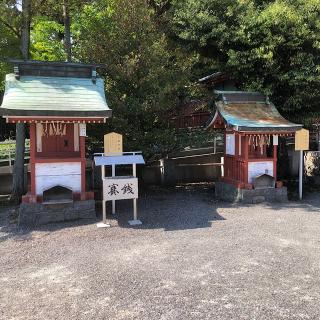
[(193, 258)]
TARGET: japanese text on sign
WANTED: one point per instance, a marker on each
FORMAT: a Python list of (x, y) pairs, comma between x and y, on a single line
[(120, 188)]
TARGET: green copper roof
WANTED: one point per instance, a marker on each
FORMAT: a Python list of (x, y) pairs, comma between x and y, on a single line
[(54, 96), (246, 111)]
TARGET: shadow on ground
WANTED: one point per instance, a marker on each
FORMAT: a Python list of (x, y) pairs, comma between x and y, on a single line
[(177, 208)]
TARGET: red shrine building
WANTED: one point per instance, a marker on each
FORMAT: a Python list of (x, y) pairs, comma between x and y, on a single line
[(252, 126), (56, 100)]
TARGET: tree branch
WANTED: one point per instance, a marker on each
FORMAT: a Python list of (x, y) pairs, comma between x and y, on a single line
[(11, 28)]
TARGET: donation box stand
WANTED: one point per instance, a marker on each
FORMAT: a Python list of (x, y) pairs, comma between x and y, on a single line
[(118, 187)]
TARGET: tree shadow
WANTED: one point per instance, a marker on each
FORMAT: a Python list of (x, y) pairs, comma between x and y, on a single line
[(25, 233), (171, 209)]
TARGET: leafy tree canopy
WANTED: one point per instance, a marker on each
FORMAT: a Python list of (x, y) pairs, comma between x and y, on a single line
[(155, 50), (270, 46)]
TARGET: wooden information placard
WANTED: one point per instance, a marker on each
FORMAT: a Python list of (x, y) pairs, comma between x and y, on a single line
[(302, 140), (113, 143)]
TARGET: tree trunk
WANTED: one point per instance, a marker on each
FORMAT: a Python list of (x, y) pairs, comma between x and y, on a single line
[(18, 170), (67, 32), (25, 32)]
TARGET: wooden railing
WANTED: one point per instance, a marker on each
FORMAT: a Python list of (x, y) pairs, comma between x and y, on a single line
[(7, 152), (234, 169)]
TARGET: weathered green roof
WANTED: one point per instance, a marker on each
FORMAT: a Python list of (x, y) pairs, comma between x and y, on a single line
[(246, 111), (54, 96)]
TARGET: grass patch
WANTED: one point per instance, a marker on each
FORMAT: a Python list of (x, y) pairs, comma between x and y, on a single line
[(9, 147)]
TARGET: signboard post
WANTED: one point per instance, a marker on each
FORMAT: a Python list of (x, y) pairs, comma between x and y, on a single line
[(113, 146), (118, 187), (301, 144)]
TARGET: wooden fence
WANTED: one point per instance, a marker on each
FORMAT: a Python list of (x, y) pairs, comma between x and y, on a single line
[(191, 166), (7, 155)]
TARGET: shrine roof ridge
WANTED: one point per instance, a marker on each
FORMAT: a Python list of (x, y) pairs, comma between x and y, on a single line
[(241, 97), (55, 63)]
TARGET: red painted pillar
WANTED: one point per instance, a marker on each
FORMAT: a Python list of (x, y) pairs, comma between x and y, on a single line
[(226, 169), (275, 159), (246, 158), (33, 143), (236, 169), (83, 167)]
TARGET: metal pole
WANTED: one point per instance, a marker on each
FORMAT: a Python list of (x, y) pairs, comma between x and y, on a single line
[(135, 214), (113, 201), (300, 174), (135, 221), (104, 209)]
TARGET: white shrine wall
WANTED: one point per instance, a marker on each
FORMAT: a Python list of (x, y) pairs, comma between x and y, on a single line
[(64, 174), (258, 168)]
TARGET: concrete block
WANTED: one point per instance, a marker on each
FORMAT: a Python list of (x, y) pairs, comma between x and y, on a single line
[(36, 214), (228, 192)]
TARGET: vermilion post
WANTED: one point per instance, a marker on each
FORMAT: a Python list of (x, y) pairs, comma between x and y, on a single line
[(83, 167), (275, 152), (33, 144)]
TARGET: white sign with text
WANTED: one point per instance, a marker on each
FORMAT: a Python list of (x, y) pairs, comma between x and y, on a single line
[(120, 188)]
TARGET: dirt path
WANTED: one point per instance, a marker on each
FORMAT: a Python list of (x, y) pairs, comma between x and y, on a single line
[(192, 259)]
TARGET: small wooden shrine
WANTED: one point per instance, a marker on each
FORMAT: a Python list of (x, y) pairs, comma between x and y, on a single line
[(56, 100), (251, 126)]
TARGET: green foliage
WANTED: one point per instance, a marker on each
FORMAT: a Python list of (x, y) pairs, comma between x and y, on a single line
[(46, 40), (155, 50), (8, 147), (270, 46), (9, 36), (143, 76)]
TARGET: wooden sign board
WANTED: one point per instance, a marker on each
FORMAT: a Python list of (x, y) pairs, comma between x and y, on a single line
[(113, 143), (230, 144), (82, 130), (302, 140), (275, 140), (120, 188)]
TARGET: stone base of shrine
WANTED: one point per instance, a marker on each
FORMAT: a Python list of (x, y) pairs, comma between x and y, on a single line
[(35, 214), (228, 192)]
